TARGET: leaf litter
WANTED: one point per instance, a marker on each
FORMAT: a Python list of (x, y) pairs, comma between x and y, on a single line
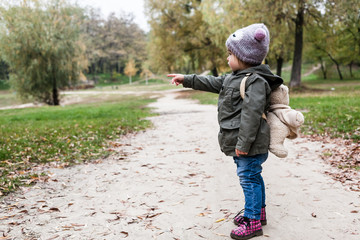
[(344, 158)]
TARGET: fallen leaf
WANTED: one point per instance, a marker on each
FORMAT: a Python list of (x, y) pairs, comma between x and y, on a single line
[(199, 235), (6, 217), (54, 209), (220, 220), (77, 225), (54, 237), (14, 223), (125, 233), (220, 234), (154, 215)]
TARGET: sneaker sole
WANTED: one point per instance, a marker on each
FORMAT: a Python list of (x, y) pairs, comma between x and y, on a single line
[(255, 234)]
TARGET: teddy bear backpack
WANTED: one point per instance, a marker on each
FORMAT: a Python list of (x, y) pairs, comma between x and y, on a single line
[(284, 121)]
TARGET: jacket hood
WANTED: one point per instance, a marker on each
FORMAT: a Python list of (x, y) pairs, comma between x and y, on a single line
[(264, 71)]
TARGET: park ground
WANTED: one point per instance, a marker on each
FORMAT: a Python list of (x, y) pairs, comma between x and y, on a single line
[(172, 182)]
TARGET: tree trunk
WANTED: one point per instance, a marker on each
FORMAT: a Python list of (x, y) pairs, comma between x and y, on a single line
[(337, 66), (193, 62), (295, 80), (55, 93), (279, 64), (339, 71), (214, 71), (350, 69), (323, 68)]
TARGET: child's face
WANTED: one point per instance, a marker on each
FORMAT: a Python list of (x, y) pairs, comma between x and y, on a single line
[(233, 62)]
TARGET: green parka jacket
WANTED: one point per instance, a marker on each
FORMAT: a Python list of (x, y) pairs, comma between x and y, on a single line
[(241, 124)]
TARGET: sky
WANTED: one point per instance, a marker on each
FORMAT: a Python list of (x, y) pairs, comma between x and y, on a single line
[(129, 6)]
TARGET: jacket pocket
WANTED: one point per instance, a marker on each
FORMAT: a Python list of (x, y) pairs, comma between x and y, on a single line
[(236, 99), (228, 103), (231, 123), (227, 140)]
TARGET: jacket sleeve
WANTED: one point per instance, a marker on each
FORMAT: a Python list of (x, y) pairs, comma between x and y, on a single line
[(253, 107), (204, 83)]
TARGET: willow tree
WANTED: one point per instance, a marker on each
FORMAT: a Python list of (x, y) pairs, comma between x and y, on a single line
[(40, 41)]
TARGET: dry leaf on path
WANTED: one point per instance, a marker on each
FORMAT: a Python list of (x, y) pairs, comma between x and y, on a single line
[(220, 220), (125, 233)]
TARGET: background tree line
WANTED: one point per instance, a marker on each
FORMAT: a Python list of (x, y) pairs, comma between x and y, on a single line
[(112, 43), (46, 45), (189, 35)]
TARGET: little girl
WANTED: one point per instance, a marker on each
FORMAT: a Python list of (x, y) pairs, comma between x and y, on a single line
[(244, 133)]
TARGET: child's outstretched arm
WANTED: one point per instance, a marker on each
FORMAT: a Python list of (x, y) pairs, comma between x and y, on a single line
[(176, 78), (198, 82)]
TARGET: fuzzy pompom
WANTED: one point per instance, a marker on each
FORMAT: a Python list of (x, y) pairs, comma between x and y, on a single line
[(260, 34)]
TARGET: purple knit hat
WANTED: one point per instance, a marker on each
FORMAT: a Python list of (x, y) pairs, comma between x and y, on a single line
[(250, 44)]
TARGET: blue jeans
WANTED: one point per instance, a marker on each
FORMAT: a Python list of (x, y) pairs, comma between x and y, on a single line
[(249, 171)]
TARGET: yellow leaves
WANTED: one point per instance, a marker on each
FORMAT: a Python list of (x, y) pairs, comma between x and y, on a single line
[(130, 69)]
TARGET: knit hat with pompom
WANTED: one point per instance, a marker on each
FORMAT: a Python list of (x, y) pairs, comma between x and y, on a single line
[(250, 44)]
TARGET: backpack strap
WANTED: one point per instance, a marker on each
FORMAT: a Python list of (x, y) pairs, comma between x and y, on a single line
[(242, 90)]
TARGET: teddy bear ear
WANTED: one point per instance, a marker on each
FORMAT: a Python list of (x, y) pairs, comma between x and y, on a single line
[(284, 88)]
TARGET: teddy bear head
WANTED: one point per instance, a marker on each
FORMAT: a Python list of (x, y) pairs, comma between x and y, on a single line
[(280, 95)]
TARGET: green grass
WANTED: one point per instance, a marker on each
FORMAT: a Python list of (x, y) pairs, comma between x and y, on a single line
[(336, 116), (330, 106), (66, 135), (106, 79), (204, 97), (334, 113)]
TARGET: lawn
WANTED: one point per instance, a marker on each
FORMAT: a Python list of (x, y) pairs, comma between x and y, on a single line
[(330, 107), (64, 135)]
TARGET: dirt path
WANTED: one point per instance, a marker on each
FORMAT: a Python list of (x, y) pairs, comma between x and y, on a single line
[(172, 182)]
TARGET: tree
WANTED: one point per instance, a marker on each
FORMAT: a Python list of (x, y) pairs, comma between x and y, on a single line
[(41, 42), (111, 41), (285, 18), (335, 36), (130, 69), (343, 32), (180, 39)]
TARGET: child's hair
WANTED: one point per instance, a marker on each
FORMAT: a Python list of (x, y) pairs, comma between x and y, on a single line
[(250, 44), (245, 64)]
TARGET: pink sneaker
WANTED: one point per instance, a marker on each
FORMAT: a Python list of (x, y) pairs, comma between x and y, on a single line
[(247, 229), (240, 215)]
